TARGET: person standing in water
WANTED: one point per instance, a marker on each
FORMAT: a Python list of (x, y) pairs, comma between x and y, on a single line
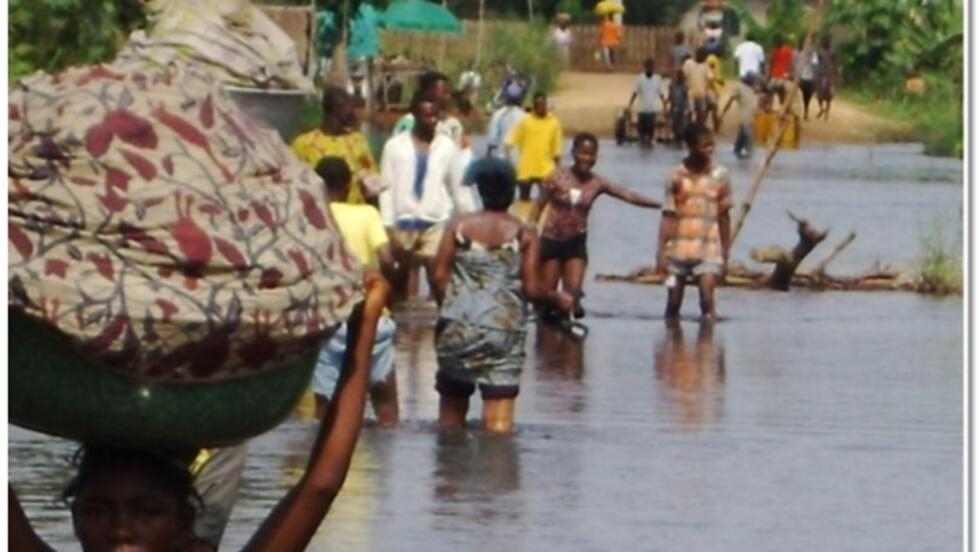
[(422, 177), (567, 196), (364, 234), (695, 229), (485, 272), (537, 138)]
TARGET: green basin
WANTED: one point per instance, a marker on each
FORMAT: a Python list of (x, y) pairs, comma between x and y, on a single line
[(54, 390)]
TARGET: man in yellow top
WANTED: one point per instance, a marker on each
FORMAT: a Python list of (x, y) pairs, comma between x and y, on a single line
[(337, 137), (538, 139), (365, 235)]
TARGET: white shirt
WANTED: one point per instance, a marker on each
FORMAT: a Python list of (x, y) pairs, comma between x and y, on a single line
[(443, 190), (562, 37), (803, 69), (648, 91), (750, 58)]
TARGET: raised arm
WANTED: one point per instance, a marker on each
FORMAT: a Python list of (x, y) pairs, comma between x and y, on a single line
[(21, 535), (630, 196), (293, 522)]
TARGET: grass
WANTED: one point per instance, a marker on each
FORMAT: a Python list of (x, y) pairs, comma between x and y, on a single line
[(940, 269), (935, 118)]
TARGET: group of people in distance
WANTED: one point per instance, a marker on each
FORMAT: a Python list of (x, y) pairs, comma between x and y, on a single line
[(696, 83), (423, 203)]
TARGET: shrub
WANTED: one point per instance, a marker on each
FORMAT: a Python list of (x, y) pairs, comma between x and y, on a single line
[(940, 268)]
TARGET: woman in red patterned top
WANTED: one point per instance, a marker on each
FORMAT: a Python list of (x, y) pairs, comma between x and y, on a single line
[(567, 196)]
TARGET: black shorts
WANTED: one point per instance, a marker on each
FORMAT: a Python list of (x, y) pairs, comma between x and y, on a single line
[(563, 250), (451, 388)]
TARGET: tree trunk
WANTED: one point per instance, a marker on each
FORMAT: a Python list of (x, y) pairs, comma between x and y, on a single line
[(786, 264), (339, 74), (479, 37)]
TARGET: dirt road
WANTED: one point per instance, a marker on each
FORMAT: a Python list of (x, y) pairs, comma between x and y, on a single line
[(589, 102)]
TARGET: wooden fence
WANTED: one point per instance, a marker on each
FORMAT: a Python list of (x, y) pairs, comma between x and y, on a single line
[(638, 42)]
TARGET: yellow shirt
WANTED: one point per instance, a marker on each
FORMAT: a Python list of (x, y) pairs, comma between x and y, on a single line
[(361, 227), (717, 78), (539, 141), (352, 147)]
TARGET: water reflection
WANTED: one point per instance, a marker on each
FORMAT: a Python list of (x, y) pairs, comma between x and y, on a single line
[(474, 473), (691, 374), (559, 359)]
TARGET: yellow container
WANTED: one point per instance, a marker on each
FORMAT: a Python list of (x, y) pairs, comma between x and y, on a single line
[(765, 126)]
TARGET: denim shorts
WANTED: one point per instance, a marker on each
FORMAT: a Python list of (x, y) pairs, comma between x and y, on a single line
[(331, 359), (693, 267)]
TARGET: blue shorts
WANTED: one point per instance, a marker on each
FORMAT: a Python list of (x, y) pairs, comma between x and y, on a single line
[(331, 358)]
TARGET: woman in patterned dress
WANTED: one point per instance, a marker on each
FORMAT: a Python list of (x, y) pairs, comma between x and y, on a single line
[(486, 270)]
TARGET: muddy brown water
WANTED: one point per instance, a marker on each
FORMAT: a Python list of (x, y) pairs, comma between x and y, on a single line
[(801, 421)]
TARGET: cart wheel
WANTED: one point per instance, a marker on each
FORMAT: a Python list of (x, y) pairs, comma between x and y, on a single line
[(620, 131)]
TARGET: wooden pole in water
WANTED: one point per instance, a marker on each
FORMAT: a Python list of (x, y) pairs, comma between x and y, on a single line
[(781, 125)]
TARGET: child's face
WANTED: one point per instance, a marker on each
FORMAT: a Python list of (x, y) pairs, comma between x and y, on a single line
[(585, 155)]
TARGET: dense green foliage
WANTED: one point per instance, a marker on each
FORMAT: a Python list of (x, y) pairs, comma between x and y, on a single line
[(785, 17), (53, 34), (886, 39), (881, 43)]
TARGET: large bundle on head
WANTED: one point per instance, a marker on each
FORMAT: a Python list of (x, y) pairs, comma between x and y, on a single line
[(172, 266)]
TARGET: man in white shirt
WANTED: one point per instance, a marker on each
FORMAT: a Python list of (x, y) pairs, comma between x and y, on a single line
[(750, 57), (437, 85), (502, 122), (650, 90), (422, 174)]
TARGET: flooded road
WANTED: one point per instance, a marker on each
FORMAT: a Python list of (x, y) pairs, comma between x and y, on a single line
[(801, 421)]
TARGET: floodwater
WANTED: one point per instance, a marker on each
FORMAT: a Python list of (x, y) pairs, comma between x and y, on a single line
[(801, 421)]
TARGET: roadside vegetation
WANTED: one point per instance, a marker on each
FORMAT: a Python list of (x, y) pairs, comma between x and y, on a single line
[(940, 267), (901, 58)]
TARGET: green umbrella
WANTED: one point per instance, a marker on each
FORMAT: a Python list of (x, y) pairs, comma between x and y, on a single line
[(419, 15)]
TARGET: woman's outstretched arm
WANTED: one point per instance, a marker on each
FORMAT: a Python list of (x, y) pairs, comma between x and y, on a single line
[(293, 522), (21, 535), (630, 196)]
